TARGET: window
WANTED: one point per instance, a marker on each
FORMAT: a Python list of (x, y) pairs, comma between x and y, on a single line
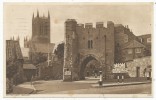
[(9, 53), (141, 40), (138, 50), (91, 44), (130, 51), (137, 71), (125, 39), (8, 44), (88, 44), (148, 40)]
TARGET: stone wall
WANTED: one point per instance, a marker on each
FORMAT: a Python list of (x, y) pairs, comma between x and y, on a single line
[(139, 62), (53, 71), (70, 49)]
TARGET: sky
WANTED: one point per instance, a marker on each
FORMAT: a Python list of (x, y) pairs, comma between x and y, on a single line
[(18, 17)]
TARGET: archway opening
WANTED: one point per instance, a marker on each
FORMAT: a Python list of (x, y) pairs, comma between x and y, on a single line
[(90, 68)]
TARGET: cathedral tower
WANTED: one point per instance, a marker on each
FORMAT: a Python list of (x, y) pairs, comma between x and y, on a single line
[(41, 28)]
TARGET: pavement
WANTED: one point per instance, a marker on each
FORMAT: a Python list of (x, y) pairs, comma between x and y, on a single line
[(24, 88), (120, 84), (111, 91), (54, 86)]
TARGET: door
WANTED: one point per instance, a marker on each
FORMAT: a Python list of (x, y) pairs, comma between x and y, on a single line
[(137, 71)]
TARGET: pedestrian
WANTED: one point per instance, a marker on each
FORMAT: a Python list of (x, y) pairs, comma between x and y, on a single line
[(100, 81), (95, 75), (87, 73), (32, 80)]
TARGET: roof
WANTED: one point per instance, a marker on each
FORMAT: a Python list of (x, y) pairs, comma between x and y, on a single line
[(133, 44), (29, 66), (25, 52), (42, 47)]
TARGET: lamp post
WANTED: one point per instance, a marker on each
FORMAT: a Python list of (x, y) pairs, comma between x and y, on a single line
[(71, 58), (105, 57)]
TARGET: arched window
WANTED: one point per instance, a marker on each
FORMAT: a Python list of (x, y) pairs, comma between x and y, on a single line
[(90, 44)]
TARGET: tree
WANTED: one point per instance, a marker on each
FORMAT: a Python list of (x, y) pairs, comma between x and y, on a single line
[(59, 51), (39, 58), (11, 68)]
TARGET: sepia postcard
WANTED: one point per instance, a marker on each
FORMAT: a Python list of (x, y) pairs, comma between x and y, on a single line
[(78, 49)]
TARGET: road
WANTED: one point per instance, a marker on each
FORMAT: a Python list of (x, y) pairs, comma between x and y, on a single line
[(59, 87)]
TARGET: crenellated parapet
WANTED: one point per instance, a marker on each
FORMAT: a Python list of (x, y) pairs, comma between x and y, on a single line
[(92, 26)]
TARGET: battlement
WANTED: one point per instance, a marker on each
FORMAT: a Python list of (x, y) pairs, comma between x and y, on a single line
[(88, 25), (70, 20), (99, 25), (80, 25), (109, 22)]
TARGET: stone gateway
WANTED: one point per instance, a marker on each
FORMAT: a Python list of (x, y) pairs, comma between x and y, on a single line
[(86, 43)]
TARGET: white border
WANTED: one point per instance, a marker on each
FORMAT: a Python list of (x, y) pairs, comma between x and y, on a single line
[(78, 0), (1, 41)]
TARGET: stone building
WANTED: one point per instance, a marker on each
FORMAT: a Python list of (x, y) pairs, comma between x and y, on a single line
[(39, 45), (108, 45), (146, 40), (131, 50), (127, 45), (84, 43), (14, 57), (38, 48), (140, 67), (26, 42)]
